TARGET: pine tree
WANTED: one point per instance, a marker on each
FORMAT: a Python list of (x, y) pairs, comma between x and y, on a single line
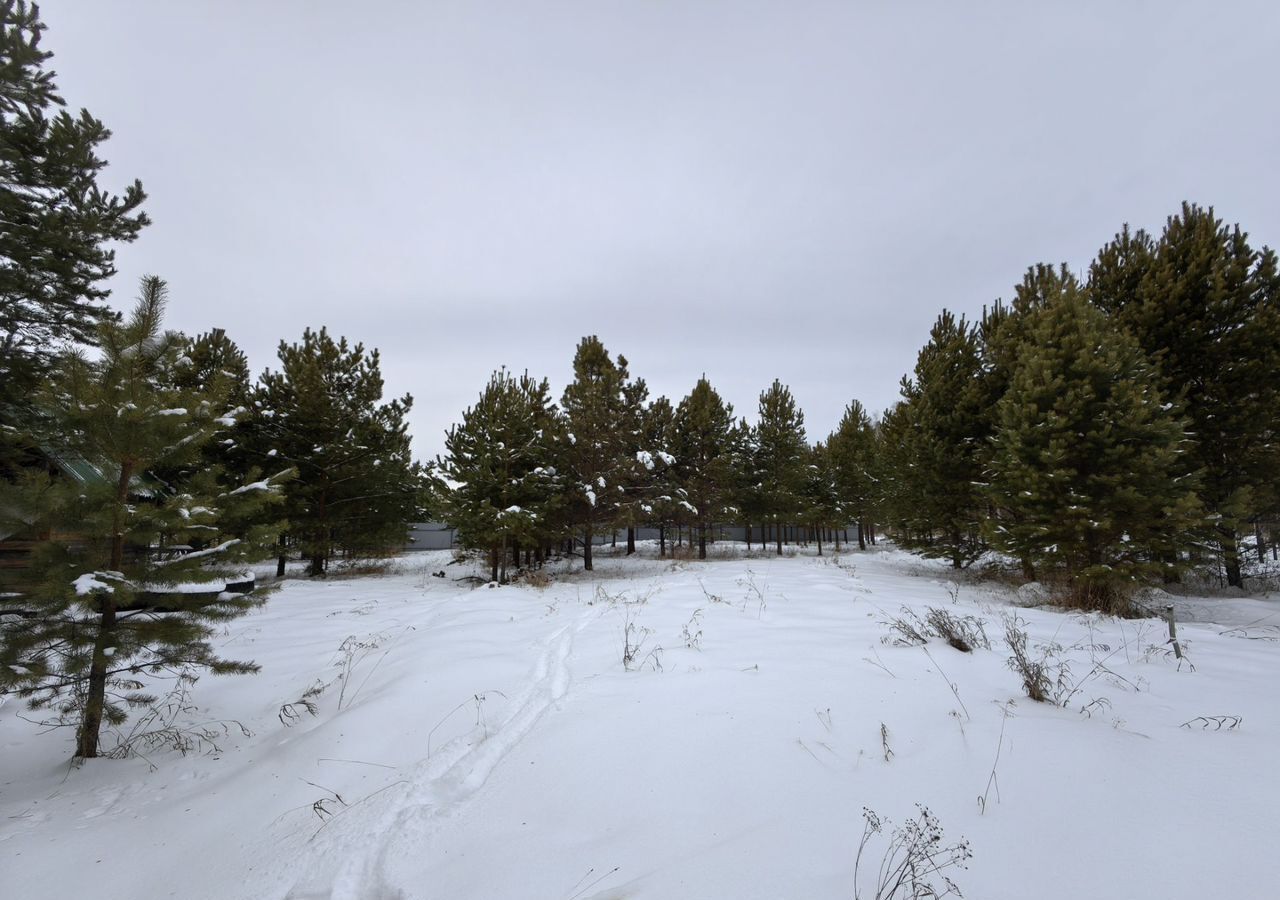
[(85, 632), (901, 496), (599, 459), (748, 495), (635, 394), (213, 358), (660, 489), (822, 508), (852, 452), (1086, 455), (1206, 306), (943, 508), (357, 487), (780, 457), (55, 249), (500, 459), (212, 362), (704, 454), (1002, 333)]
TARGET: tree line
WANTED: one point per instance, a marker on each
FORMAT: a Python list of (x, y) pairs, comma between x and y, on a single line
[(1100, 430), (522, 474)]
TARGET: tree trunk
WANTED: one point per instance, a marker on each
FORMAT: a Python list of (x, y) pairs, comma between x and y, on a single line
[(493, 563), (862, 540), (631, 539), (586, 550), (320, 548), (282, 558), (1230, 556), (778, 535), (818, 532), (702, 540), (116, 562), (748, 537), (662, 540), (95, 695), (96, 691)]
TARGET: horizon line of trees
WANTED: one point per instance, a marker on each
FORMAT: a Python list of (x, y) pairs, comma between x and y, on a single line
[(1101, 432), (522, 474)]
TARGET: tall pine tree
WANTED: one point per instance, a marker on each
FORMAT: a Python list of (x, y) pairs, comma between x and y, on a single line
[(84, 629), (781, 457), (598, 449), (851, 449), (504, 489), (941, 460), (1086, 461), (357, 486), (59, 224), (1206, 306), (704, 455)]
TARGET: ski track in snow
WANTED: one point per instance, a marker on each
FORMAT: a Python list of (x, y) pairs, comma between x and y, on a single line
[(437, 785)]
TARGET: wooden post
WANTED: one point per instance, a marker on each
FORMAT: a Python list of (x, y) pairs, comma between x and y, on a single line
[(1173, 631)]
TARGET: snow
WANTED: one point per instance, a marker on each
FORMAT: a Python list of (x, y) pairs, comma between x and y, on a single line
[(178, 411), (96, 581), (490, 743), (264, 485), (216, 586), (200, 554)]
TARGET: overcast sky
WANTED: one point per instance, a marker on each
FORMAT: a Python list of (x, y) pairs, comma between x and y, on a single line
[(751, 190)]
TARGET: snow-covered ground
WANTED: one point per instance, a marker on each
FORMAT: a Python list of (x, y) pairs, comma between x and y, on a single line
[(490, 743)]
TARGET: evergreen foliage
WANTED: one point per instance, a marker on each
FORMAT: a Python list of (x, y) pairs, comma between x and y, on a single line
[(1206, 306), (211, 362), (703, 447), (660, 491), (85, 627), (602, 430), (1086, 464), (748, 482), (357, 487), (822, 508), (503, 487), (940, 460), (852, 456), (636, 474), (58, 222), (781, 456)]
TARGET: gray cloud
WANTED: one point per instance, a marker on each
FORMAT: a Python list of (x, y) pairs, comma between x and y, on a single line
[(753, 190)]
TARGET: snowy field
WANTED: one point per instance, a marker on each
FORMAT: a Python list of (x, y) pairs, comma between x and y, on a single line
[(490, 743)]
